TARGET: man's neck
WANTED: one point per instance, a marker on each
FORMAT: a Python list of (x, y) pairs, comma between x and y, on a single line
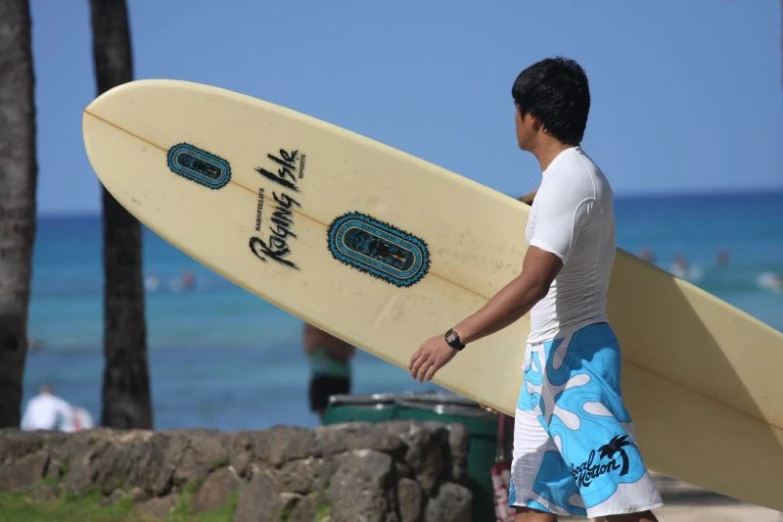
[(547, 150)]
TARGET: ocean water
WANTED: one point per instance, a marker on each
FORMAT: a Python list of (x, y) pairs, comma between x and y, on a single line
[(222, 358)]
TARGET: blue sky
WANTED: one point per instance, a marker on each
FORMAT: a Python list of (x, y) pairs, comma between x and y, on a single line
[(686, 94)]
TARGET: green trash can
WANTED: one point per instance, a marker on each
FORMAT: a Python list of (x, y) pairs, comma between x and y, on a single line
[(376, 407), (482, 428)]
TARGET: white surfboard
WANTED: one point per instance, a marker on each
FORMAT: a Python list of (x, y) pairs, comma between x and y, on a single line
[(385, 250)]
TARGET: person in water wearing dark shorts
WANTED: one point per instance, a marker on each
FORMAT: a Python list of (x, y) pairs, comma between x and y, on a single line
[(330, 367)]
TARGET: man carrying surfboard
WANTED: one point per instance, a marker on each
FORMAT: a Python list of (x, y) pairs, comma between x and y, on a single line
[(574, 448)]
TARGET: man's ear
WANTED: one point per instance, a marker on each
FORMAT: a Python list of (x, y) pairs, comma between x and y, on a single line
[(537, 126)]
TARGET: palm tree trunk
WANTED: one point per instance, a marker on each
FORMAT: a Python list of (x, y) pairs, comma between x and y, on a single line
[(126, 389), (18, 173)]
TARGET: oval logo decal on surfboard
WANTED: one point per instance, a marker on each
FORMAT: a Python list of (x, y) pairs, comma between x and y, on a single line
[(199, 165), (378, 249)]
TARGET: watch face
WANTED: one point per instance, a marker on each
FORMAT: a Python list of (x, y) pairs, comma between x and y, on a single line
[(453, 339)]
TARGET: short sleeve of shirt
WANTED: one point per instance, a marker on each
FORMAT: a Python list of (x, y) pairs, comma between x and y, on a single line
[(562, 209)]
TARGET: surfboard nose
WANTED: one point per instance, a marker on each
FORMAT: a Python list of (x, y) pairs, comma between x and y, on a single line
[(126, 93)]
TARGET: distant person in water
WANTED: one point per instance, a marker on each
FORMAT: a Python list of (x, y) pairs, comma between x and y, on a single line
[(679, 266), (46, 411), (647, 255), (35, 345), (330, 367), (187, 281), (771, 281), (682, 269)]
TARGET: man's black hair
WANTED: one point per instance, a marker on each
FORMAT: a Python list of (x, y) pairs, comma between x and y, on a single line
[(556, 91)]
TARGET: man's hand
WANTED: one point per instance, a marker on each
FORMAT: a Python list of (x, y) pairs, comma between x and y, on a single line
[(431, 356)]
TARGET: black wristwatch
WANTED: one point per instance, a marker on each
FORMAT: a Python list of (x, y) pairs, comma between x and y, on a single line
[(453, 340)]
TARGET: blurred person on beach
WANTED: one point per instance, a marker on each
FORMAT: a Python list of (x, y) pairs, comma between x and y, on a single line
[(79, 420), (46, 411), (330, 367), (574, 443)]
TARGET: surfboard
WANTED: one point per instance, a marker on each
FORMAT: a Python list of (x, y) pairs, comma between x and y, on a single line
[(384, 250)]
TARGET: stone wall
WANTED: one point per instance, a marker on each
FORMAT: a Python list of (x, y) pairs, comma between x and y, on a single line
[(397, 471)]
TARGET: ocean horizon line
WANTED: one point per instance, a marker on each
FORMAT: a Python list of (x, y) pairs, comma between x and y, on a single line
[(619, 196)]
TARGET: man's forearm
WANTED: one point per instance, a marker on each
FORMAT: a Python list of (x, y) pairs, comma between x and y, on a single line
[(507, 306)]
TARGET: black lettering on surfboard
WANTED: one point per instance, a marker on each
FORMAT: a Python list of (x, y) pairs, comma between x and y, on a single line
[(302, 166), (285, 165), (259, 209)]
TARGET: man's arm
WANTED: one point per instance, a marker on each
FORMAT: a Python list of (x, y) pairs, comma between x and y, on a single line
[(539, 269), (515, 299), (561, 211), (528, 198)]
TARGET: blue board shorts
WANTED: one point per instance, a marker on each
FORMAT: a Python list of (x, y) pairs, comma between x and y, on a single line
[(574, 446)]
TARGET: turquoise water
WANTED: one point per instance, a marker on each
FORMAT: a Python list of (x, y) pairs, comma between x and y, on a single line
[(222, 358)]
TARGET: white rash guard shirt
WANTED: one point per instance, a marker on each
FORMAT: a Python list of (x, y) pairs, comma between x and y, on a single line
[(572, 217)]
